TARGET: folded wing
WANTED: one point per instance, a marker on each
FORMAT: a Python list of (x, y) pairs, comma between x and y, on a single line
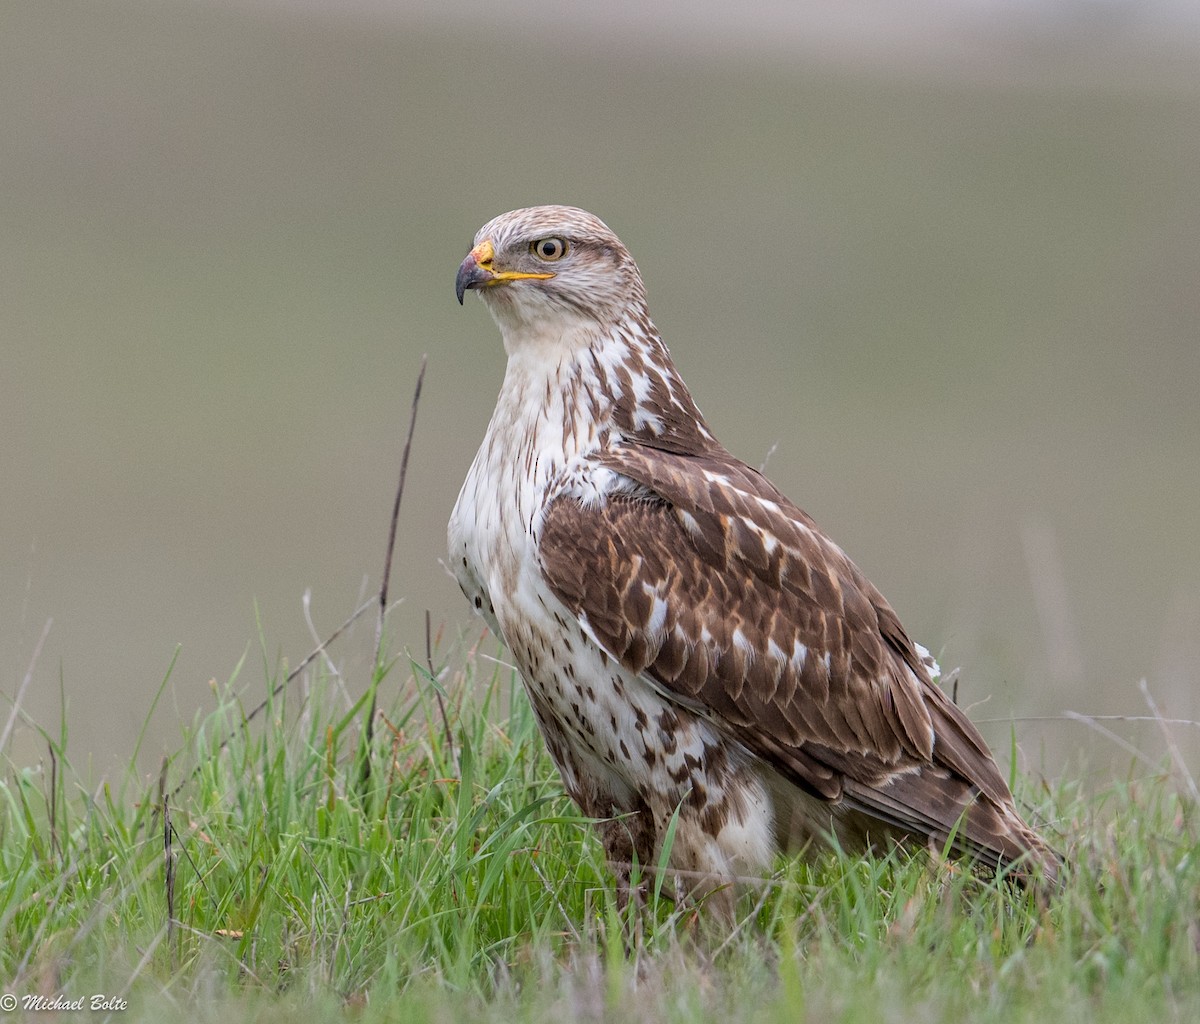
[(702, 577)]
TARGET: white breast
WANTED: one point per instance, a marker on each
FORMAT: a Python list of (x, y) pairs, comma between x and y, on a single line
[(531, 441), (618, 743)]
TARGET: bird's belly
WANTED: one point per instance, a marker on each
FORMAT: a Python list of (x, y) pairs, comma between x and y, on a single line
[(620, 745)]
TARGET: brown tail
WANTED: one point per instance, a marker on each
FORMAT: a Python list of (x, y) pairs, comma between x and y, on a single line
[(935, 803)]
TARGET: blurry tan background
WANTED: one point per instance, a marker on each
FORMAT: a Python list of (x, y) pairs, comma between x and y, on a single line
[(940, 260)]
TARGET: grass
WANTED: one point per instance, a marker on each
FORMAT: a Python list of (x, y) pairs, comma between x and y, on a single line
[(456, 882)]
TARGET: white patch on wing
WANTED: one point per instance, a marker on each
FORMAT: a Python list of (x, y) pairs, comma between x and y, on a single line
[(742, 643), (658, 610), (641, 385), (799, 654), (930, 662), (770, 506), (769, 541), (645, 418)]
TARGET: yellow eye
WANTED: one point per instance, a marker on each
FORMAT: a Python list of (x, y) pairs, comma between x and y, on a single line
[(549, 249)]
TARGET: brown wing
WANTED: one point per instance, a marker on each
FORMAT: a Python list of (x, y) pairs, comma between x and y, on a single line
[(714, 585)]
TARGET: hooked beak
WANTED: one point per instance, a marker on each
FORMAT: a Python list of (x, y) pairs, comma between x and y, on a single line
[(477, 272)]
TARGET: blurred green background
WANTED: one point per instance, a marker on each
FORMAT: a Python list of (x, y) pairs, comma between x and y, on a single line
[(940, 262)]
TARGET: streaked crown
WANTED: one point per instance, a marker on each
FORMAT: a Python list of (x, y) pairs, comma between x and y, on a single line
[(544, 264)]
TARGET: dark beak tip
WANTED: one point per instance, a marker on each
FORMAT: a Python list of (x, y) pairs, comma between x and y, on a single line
[(466, 278)]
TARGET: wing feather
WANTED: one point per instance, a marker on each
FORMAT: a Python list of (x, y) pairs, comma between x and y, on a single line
[(728, 597)]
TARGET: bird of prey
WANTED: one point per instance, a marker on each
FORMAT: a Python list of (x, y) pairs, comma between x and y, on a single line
[(697, 652)]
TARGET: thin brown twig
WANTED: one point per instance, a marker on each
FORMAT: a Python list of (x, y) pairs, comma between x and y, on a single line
[(391, 542), (312, 655), (387, 566), (168, 853)]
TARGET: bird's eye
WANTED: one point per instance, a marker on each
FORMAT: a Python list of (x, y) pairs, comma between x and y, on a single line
[(549, 249)]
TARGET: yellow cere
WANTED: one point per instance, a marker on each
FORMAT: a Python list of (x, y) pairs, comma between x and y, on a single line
[(484, 253)]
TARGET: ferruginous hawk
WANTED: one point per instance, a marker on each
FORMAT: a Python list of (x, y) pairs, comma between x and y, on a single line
[(691, 642)]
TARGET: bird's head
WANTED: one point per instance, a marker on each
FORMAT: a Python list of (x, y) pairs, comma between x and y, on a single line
[(550, 268)]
